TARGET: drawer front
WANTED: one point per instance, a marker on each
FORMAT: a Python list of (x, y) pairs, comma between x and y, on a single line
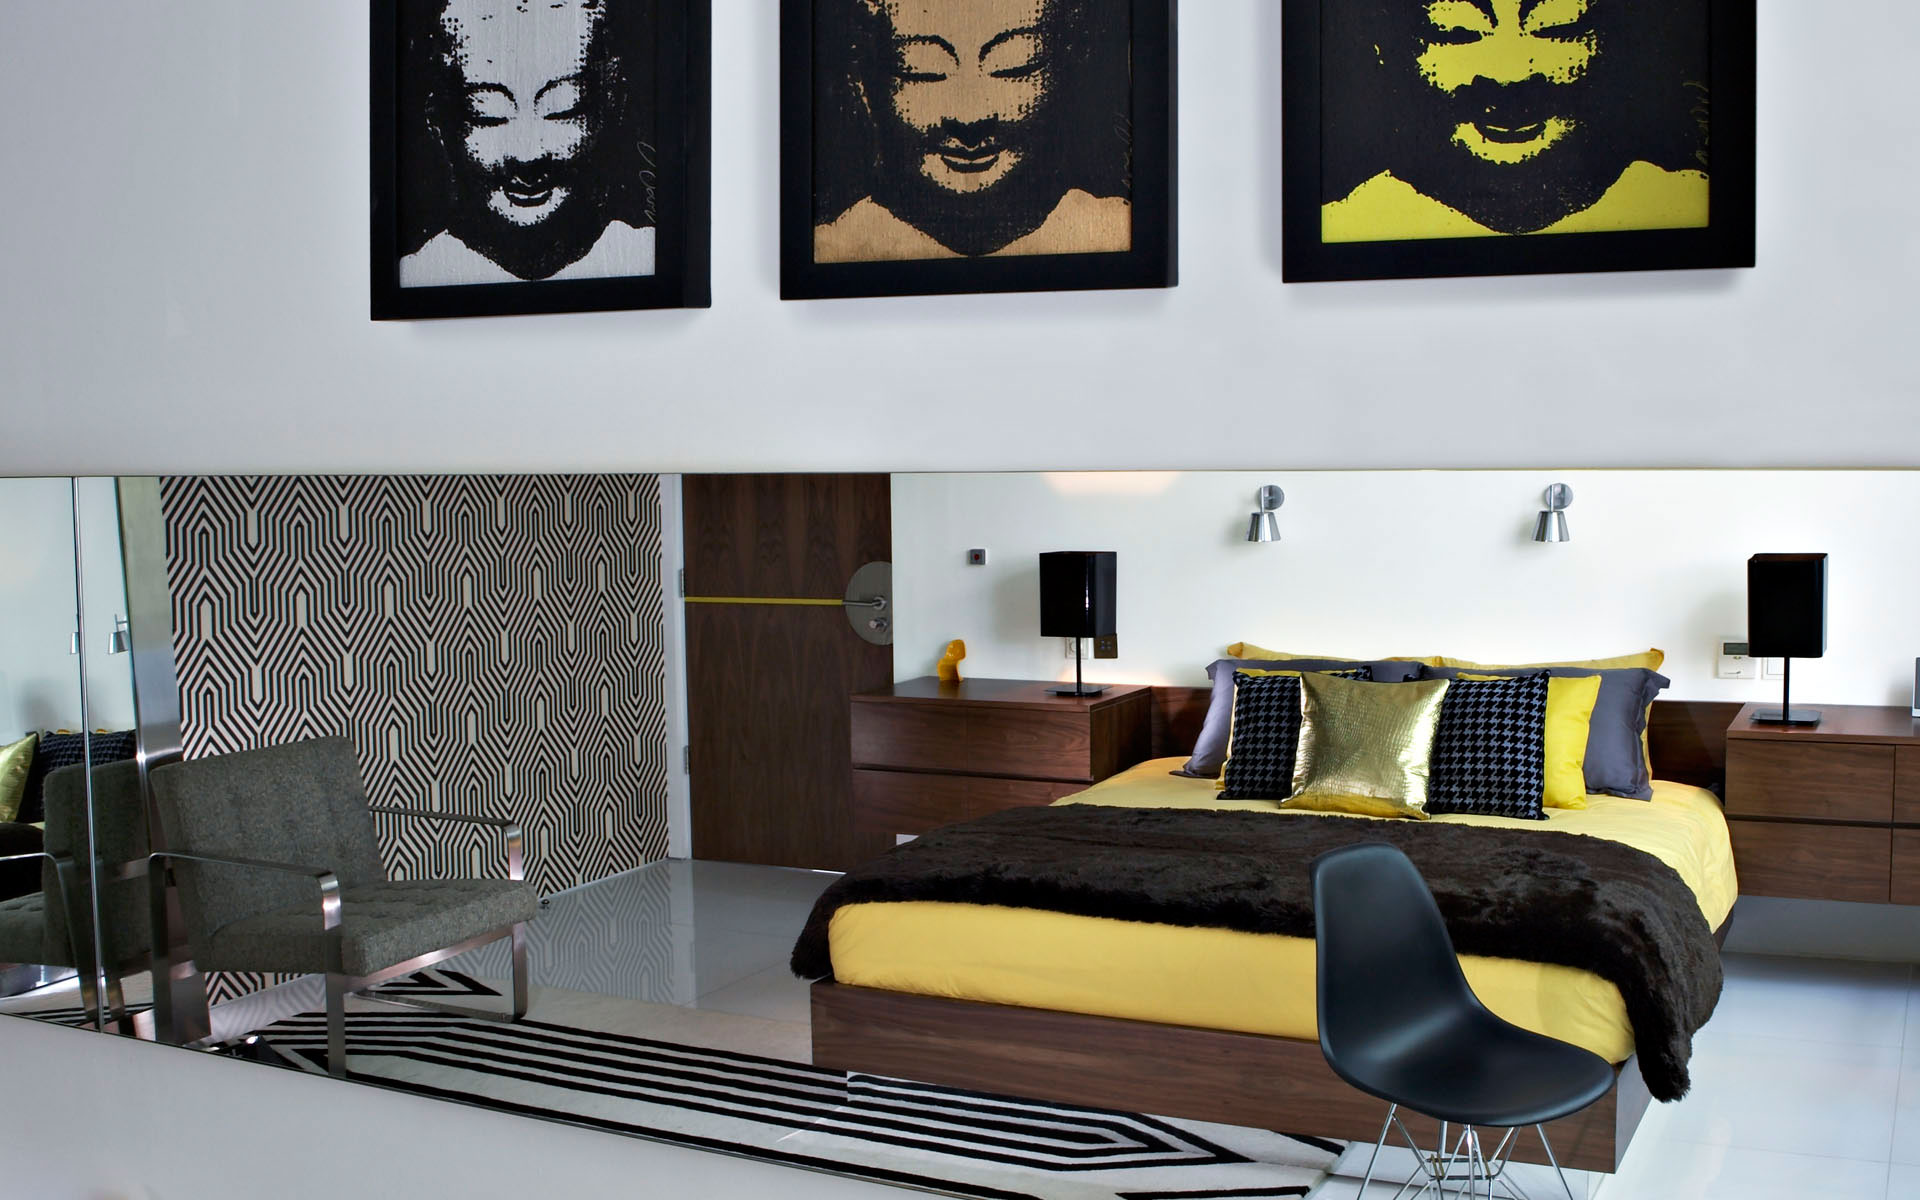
[(1906, 866), (903, 802), (914, 737), (1906, 785), (1812, 862), (981, 740), (1038, 745), (1821, 781)]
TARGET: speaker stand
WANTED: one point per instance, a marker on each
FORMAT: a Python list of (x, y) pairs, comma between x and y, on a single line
[(1079, 688), (1786, 714)]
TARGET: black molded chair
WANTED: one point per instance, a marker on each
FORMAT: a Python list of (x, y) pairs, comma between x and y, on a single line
[(1399, 1021)]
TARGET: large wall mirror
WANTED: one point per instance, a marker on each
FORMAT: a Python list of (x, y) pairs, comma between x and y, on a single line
[(522, 790)]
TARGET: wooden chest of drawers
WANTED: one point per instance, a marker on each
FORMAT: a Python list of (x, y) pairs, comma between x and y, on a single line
[(926, 754), (1828, 812)]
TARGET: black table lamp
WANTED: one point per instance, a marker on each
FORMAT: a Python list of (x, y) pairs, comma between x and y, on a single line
[(1787, 619), (1076, 601)]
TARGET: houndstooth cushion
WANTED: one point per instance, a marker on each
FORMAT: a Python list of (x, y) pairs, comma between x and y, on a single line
[(1266, 734), (1489, 753)]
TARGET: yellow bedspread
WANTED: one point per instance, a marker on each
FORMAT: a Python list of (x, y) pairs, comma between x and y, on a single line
[(1251, 982)]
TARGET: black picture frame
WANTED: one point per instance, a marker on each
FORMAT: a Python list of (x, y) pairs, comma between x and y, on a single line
[(1726, 242), (1151, 262), (682, 75)]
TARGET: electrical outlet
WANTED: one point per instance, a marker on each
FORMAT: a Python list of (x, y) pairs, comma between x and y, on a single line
[(1106, 647), (976, 558), (1073, 648), (1733, 660)]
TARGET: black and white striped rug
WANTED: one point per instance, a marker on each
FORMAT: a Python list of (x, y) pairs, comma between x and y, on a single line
[(885, 1130)]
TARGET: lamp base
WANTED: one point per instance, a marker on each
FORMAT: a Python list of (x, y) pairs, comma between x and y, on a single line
[(1789, 716), (1091, 689)]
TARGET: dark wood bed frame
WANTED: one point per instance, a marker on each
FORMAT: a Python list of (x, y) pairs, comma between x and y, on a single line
[(1205, 1074)]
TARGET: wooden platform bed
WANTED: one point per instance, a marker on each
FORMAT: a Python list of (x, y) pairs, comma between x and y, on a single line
[(1205, 1074)]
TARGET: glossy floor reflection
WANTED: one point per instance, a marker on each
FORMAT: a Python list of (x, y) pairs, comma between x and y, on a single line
[(705, 935), (1806, 1083)]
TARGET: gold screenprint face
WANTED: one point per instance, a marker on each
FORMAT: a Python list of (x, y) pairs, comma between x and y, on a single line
[(978, 127), (967, 76), (1475, 118)]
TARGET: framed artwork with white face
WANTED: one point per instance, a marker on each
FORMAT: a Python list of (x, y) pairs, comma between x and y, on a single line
[(534, 156), (1492, 137), (944, 146)]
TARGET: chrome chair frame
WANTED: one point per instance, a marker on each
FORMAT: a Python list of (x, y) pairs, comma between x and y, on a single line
[(1441, 1167), (112, 1014), (339, 984)]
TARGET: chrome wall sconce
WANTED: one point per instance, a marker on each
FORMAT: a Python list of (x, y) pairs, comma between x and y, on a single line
[(1263, 526), (1552, 523), (118, 641)]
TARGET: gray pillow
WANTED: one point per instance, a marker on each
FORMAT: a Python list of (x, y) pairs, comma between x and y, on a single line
[(1210, 750), (1616, 761)]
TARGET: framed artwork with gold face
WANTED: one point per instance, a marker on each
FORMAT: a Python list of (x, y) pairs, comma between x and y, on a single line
[(543, 156), (943, 146), (1491, 137)]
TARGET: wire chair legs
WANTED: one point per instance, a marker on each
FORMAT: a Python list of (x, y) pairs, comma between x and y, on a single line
[(1459, 1163)]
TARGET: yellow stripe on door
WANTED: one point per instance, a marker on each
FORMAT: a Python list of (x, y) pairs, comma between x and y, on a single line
[(765, 600)]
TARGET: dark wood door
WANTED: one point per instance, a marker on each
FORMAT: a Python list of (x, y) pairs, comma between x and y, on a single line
[(768, 683)]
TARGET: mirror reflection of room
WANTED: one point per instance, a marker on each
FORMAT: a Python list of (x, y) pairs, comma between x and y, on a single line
[(598, 798), (66, 700)]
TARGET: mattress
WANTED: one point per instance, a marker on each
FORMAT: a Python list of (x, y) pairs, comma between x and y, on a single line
[(1251, 982)]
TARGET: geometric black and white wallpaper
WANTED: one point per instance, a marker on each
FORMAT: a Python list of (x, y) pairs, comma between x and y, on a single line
[(490, 644)]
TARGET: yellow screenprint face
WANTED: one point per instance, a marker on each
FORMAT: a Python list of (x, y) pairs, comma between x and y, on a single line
[(1504, 43)]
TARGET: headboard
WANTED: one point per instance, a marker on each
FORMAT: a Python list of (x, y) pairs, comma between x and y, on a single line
[(1687, 738)]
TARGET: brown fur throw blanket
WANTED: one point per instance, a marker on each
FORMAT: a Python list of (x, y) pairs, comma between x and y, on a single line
[(1528, 894)]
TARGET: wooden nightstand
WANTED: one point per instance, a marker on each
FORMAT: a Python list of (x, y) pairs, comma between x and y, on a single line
[(1830, 812), (927, 753)]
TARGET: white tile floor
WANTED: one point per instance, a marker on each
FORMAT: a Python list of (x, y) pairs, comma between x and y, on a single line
[(1806, 1082), (705, 935)]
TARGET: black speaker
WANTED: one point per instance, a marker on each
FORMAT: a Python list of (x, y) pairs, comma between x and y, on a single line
[(1787, 605), (1787, 619), (1076, 601), (1076, 593)]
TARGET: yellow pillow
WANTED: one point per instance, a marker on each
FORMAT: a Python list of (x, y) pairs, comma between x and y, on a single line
[(16, 761), (1649, 659), (1252, 650), (1570, 704), (1365, 749)]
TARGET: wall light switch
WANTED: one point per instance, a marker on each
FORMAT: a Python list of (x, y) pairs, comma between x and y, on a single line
[(1773, 668), (976, 558), (1106, 647), (1734, 662)]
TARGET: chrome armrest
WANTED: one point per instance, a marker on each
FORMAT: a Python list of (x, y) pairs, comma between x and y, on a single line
[(516, 837), (329, 882)]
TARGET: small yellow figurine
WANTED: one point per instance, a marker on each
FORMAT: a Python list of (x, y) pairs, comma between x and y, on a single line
[(950, 661)]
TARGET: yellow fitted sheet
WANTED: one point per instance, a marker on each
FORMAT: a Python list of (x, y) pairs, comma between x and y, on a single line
[(1253, 982)]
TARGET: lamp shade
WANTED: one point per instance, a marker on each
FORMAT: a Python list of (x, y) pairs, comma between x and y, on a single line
[(1787, 605), (1077, 593)]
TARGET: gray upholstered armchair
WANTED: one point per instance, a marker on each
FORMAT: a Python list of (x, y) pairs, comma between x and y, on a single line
[(54, 926), (278, 871)]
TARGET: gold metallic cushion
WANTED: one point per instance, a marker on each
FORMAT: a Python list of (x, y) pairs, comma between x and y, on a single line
[(1364, 747), (16, 761)]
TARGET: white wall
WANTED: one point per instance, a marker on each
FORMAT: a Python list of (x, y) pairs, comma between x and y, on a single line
[(39, 674), (186, 282), (1413, 563)]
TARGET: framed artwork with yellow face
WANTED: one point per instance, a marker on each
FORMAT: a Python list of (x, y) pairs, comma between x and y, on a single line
[(543, 156), (1491, 137), (943, 146)]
